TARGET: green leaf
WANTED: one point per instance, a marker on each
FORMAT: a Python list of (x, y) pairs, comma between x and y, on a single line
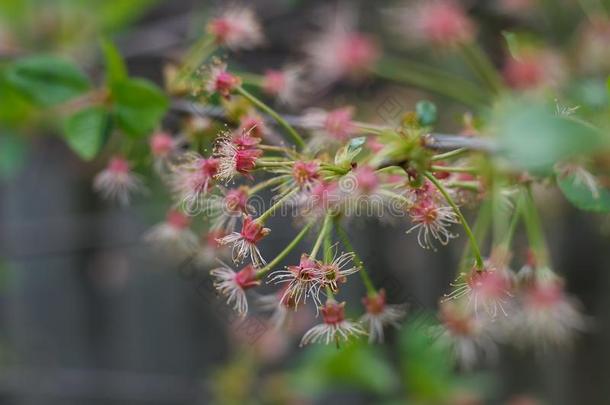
[(532, 137), (86, 131), (139, 106), (583, 197), (357, 365), (426, 112), (47, 80), (427, 364), (13, 149), (116, 71)]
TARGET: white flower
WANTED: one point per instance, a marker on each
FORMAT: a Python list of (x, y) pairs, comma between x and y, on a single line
[(379, 314), (335, 327), (117, 181), (233, 285), (173, 234), (237, 28)]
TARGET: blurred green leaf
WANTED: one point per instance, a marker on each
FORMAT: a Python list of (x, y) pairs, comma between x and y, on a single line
[(86, 131), (116, 71), (577, 192), (139, 106), (427, 365), (13, 149), (532, 137), (357, 365), (115, 14), (47, 80), (426, 112)]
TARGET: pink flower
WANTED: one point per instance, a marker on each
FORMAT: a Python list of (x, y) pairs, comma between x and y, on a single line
[(236, 28), (488, 288), (233, 285), (466, 334), (432, 220), (174, 233), (548, 316), (287, 85), (366, 179), (335, 327), (252, 125), (339, 124), (192, 178), (225, 210), (379, 314), (533, 69), (337, 270), (340, 52), (304, 281), (220, 81), (161, 144), (306, 174), (437, 22), (117, 181), (236, 155), (244, 242)]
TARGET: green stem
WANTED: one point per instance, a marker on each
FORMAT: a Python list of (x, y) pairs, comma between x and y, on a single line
[(512, 226), (268, 183), (321, 236), (450, 154), (468, 185), (471, 237), (292, 133), (452, 169), (535, 233), (265, 215), (480, 230), (289, 248), (364, 275)]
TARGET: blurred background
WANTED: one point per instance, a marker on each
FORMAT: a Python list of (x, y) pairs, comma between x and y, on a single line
[(89, 314)]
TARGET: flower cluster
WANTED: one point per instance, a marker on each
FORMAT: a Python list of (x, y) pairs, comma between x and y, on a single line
[(321, 164)]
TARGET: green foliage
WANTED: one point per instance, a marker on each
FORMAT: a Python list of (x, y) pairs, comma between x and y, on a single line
[(427, 364), (86, 131), (582, 196), (534, 138), (138, 107), (46, 80), (116, 71), (357, 365)]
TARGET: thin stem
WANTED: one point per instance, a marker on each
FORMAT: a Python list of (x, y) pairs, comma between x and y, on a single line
[(512, 226), (268, 163), (323, 231), (265, 215), (480, 230), (268, 183), (453, 169), (450, 154), (292, 133), (364, 275), (473, 240), (533, 227), (282, 255), (467, 185)]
